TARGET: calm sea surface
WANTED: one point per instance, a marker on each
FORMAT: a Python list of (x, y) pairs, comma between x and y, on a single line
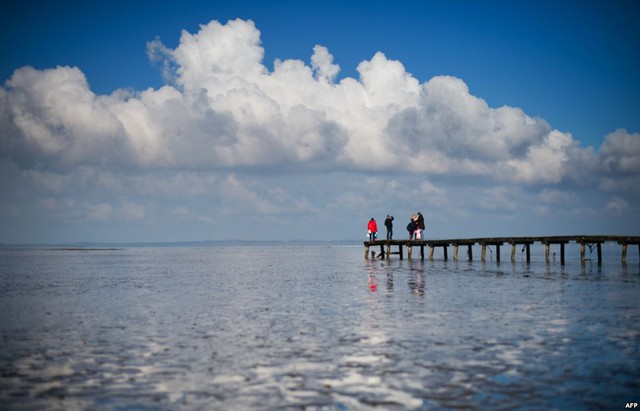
[(314, 327)]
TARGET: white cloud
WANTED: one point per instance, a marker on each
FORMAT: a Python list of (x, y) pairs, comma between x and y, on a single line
[(620, 152), (619, 163), (549, 196), (131, 211), (211, 141), (254, 197), (226, 110), (322, 64), (498, 199), (618, 205), (99, 212), (52, 116)]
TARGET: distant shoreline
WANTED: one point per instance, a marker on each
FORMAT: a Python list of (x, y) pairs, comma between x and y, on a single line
[(87, 246)]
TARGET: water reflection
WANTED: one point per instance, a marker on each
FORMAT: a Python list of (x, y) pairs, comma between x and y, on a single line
[(416, 279), (313, 328)]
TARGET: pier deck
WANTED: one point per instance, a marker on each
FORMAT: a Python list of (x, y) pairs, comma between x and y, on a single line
[(386, 246)]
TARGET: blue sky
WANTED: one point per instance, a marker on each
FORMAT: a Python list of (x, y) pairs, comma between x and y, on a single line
[(551, 84)]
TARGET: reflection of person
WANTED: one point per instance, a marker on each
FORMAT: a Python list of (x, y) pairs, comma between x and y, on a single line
[(373, 229), (388, 222), (416, 284), (373, 283)]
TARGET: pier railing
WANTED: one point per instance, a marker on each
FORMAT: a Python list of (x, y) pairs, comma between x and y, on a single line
[(386, 246)]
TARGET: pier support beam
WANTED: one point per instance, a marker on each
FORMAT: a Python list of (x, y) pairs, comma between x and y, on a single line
[(546, 252), (584, 241)]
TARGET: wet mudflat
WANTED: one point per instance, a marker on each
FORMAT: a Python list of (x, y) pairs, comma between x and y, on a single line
[(312, 327)]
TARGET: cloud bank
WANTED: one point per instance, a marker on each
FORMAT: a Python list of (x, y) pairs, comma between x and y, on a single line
[(223, 112)]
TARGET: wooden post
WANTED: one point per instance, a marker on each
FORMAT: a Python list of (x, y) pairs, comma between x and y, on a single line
[(584, 241), (546, 252)]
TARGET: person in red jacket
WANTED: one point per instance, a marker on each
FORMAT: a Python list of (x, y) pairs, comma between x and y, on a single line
[(373, 229)]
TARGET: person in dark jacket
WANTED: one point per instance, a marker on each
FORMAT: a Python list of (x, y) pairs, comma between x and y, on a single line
[(388, 222), (411, 227)]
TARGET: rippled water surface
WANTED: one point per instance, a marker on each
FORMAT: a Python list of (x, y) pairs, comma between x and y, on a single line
[(313, 327)]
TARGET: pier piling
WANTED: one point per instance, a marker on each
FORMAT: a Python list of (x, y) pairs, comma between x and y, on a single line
[(525, 242)]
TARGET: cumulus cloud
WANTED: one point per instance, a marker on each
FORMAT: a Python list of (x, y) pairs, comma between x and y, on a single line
[(619, 163), (620, 153), (322, 64), (223, 121), (223, 109)]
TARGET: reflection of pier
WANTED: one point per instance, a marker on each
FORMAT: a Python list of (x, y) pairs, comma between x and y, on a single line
[(590, 241)]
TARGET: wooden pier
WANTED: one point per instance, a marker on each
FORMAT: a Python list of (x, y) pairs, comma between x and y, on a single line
[(386, 246)]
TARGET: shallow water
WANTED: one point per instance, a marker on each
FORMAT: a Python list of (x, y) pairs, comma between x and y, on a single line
[(313, 327)]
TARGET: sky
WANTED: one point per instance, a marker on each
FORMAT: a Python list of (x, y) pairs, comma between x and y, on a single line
[(286, 120)]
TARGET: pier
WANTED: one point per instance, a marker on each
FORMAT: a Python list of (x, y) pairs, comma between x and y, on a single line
[(387, 247)]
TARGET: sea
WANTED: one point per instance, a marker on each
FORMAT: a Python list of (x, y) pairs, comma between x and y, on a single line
[(315, 326)]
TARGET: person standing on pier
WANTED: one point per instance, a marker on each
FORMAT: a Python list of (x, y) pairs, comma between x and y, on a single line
[(388, 222), (373, 229), (411, 227), (420, 226)]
